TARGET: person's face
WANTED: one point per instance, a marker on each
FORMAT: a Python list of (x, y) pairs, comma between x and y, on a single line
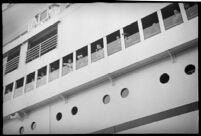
[(69, 61)]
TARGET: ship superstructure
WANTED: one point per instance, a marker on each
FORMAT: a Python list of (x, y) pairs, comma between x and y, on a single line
[(100, 68)]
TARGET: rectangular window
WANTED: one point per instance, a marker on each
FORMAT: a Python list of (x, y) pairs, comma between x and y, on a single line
[(8, 92), (82, 57), (150, 25), (54, 71), (42, 76), (97, 51), (42, 43), (191, 10), (30, 82), (171, 16), (12, 60), (67, 64), (113, 43), (19, 87), (131, 34)]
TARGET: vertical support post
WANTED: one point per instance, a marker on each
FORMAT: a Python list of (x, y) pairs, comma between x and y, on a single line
[(140, 30)]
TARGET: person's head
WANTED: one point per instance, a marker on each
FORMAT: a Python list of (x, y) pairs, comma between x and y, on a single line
[(176, 11), (117, 37), (98, 46), (186, 5), (69, 61)]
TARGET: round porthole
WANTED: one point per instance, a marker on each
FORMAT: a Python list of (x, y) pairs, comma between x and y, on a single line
[(74, 110), (33, 125), (59, 116), (124, 92), (164, 78), (189, 69), (21, 130), (106, 99)]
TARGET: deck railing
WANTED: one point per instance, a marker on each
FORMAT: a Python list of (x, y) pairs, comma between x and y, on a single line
[(41, 48), (192, 12), (114, 47), (41, 81), (12, 64), (18, 92), (152, 30), (29, 86), (132, 39), (82, 62), (67, 69), (97, 55), (173, 21), (54, 75)]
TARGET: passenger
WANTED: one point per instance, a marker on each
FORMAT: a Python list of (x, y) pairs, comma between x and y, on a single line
[(69, 64), (52, 69), (177, 16), (117, 37), (41, 76), (98, 47), (79, 57)]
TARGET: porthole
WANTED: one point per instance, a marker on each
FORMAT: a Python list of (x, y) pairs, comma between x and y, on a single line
[(124, 92), (189, 69), (21, 130), (59, 116), (106, 99), (33, 125), (74, 110), (164, 78)]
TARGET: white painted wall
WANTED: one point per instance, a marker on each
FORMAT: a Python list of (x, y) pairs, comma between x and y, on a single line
[(146, 96), (72, 35)]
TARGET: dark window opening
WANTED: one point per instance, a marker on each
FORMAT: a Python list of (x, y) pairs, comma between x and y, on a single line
[(54, 66), (191, 10), (30, 77), (33, 125), (131, 34), (189, 69), (124, 92), (97, 45), (42, 43), (67, 64), (20, 82), (13, 54), (150, 25), (9, 88), (59, 116), (42, 72), (74, 110), (164, 78), (171, 15), (68, 59), (42, 36), (113, 37), (81, 53), (149, 20), (106, 99), (131, 29), (21, 130)]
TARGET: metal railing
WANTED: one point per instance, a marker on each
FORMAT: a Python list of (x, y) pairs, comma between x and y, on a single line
[(41, 48), (12, 64)]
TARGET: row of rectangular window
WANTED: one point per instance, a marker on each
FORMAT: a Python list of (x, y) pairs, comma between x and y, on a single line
[(131, 37)]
